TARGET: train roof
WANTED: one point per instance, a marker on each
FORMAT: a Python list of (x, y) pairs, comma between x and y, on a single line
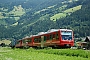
[(52, 30), (49, 31), (65, 29)]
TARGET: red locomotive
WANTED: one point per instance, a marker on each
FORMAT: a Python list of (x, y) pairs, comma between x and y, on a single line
[(51, 38)]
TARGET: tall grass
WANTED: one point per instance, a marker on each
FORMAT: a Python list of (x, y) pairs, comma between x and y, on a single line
[(33, 54), (68, 52)]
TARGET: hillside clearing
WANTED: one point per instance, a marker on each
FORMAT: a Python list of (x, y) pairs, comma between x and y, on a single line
[(15, 13), (65, 13), (57, 16), (73, 9)]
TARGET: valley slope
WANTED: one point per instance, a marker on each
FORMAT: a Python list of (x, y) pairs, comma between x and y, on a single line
[(21, 19)]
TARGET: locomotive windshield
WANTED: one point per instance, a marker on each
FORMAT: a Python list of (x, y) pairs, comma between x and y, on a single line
[(66, 35)]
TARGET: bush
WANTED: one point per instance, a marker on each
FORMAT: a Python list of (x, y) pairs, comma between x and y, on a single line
[(3, 44)]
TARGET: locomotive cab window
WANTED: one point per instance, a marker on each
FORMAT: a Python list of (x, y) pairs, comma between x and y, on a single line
[(66, 35)]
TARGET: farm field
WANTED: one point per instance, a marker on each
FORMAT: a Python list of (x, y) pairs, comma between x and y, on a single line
[(43, 54)]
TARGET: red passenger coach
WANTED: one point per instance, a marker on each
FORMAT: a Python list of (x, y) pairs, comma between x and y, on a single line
[(19, 44), (24, 42), (51, 38)]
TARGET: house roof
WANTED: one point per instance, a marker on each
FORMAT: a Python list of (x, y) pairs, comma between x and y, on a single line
[(87, 39)]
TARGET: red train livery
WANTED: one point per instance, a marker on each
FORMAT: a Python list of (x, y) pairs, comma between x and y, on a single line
[(51, 38)]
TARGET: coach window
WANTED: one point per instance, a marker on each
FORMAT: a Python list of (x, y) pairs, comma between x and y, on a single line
[(29, 41), (18, 42), (57, 37), (51, 36), (45, 37), (23, 41), (39, 39), (35, 40), (26, 41)]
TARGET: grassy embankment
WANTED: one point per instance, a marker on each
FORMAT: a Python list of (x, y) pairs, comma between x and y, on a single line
[(43, 54)]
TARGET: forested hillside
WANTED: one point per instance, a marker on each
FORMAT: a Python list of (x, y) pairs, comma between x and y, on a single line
[(24, 18)]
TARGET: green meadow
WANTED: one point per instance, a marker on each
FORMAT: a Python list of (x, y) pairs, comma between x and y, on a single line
[(43, 54)]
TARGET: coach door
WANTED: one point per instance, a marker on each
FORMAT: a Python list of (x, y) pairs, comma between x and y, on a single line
[(42, 41)]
